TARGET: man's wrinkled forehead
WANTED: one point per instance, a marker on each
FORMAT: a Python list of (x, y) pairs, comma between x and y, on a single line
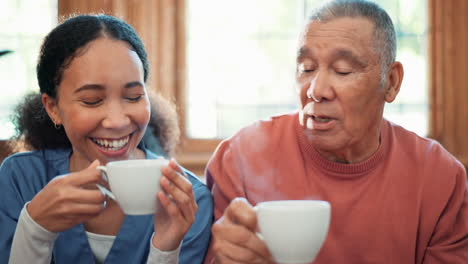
[(336, 54), (351, 26), (346, 38), (343, 30)]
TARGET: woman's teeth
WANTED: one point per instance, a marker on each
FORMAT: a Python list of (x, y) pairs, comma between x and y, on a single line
[(112, 144)]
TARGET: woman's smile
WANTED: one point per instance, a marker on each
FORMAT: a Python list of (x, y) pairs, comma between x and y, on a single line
[(112, 144)]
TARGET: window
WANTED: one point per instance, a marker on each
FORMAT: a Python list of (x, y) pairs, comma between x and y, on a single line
[(241, 55), (410, 109), (170, 30), (23, 25)]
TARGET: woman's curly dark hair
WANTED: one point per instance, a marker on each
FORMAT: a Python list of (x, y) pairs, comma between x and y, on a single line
[(65, 41), (33, 126), (163, 125), (35, 129)]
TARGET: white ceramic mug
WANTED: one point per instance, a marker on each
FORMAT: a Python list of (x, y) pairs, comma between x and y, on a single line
[(134, 184), (293, 230)]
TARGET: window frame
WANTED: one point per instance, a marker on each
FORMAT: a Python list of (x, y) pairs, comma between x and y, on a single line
[(161, 25), (445, 83)]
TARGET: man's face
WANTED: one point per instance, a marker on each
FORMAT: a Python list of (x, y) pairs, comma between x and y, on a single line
[(338, 66)]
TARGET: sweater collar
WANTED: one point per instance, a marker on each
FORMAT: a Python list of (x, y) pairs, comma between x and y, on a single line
[(360, 168)]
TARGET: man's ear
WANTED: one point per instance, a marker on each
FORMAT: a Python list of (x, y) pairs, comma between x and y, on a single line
[(393, 83), (50, 105)]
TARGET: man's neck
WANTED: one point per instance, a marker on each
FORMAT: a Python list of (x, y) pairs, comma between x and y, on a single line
[(350, 155)]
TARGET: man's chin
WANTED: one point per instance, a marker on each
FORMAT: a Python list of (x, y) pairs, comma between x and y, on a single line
[(319, 140)]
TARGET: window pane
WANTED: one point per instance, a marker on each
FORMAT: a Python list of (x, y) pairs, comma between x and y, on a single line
[(23, 24), (410, 109), (241, 55)]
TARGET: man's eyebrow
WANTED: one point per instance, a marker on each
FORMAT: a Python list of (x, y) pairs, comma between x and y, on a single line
[(302, 52), (349, 56)]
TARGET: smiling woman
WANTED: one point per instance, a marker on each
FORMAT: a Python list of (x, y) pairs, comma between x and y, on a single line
[(101, 103), (95, 108)]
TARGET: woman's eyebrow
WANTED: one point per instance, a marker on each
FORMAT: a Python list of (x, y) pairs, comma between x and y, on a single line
[(100, 87), (134, 84), (86, 87)]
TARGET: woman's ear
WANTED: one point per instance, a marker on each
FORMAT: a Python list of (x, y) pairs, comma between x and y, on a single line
[(393, 83), (50, 105)]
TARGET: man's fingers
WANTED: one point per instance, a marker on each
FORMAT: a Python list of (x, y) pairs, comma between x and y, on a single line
[(241, 212), (233, 253), (222, 259), (249, 246)]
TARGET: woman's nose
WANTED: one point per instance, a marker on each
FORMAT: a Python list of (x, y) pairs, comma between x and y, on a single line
[(115, 117)]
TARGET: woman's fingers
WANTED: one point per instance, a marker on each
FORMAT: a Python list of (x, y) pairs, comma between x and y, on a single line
[(175, 166), (66, 200), (85, 196), (83, 177), (177, 199), (171, 208), (177, 177), (75, 210), (181, 198)]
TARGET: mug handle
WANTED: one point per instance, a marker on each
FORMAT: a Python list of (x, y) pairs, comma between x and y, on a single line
[(103, 189)]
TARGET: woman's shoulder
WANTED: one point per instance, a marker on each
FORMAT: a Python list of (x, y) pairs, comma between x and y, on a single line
[(22, 159), (40, 155), (40, 162), (197, 184)]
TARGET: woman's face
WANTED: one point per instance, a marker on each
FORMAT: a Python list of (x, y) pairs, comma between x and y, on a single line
[(102, 103)]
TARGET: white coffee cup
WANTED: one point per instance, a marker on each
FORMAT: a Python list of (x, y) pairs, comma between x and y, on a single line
[(134, 184), (293, 230)]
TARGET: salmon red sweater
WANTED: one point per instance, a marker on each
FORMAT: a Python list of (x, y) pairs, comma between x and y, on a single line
[(408, 203)]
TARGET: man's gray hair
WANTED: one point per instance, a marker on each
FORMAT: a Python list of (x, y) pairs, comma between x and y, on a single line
[(384, 34)]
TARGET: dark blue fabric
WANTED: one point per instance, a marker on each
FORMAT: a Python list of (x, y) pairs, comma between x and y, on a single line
[(23, 175)]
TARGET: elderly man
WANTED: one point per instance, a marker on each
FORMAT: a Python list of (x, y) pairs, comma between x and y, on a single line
[(395, 197)]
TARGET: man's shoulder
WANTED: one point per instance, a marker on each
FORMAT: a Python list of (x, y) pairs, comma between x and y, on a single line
[(425, 149), (270, 127), (258, 138)]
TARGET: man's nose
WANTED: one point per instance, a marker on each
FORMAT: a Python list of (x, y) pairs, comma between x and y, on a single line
[(116, 116), (320, 88)]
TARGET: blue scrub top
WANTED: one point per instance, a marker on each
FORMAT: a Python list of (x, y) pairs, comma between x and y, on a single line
[(23, 175)]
